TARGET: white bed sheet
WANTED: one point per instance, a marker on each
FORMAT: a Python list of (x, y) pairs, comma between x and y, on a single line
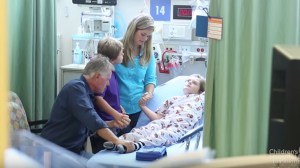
[(114, 159), (173, 87)]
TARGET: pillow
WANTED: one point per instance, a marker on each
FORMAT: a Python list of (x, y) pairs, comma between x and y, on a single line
[(173, 87)]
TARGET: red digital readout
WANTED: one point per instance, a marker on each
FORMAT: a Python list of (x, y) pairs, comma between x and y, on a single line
[(184, 12)]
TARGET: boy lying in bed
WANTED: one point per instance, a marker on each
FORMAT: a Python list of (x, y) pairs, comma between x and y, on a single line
[(175, 117)]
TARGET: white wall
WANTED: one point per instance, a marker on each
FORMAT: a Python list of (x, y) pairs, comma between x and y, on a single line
[(68, 21)]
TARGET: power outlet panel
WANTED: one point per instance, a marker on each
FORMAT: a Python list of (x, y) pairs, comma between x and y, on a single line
[(171, 47), (184, 49), (177, 32)]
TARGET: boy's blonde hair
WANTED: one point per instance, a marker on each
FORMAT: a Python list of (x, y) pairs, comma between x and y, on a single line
[(109, 47)]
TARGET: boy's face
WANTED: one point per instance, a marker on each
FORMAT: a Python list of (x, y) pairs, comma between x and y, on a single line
[(192, 85), (119, 59)]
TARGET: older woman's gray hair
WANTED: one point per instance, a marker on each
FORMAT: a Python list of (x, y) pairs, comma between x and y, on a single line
[(98, 64)]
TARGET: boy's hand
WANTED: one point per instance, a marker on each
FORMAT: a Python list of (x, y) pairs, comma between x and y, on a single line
[(123, 122), (118, 118)]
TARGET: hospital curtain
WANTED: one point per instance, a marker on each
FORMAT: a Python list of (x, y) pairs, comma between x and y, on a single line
[(32, 52), (239, 72)]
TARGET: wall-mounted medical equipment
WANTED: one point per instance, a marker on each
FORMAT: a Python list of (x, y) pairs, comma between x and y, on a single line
[(96, 23), (173, 31), (95, 2), (167, 62), (184, 49)]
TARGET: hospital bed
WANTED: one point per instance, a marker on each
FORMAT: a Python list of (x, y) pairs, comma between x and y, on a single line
[(171, 88)]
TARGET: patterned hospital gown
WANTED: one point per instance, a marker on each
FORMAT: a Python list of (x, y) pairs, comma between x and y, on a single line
[(180, 114)]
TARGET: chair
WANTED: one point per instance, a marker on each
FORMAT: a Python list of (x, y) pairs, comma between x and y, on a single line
[(24, 138), (18, 117)]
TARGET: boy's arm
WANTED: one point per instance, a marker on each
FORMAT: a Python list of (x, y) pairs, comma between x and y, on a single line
[(101, 103)]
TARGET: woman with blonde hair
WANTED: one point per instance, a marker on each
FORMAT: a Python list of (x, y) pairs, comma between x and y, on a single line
[(137, 74)]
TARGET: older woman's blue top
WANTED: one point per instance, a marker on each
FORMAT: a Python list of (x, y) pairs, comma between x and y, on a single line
[(132, 81)]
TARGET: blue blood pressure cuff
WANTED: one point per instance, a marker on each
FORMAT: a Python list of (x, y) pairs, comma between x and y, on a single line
[(150, 153)]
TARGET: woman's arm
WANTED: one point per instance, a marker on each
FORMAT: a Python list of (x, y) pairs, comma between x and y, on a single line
[(150, 79), (150, 89), (148, 94)]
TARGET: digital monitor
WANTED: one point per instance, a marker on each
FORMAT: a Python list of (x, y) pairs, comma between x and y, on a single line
[(95, 2), (183, 12)]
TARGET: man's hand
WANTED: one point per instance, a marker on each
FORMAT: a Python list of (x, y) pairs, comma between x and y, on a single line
[(128, 144)]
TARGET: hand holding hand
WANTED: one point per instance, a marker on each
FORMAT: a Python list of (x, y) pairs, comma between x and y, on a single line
[(123, 123), (118, 119), (145, 98)]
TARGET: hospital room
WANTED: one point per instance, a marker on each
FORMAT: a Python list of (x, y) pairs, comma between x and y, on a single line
[(150, 83)]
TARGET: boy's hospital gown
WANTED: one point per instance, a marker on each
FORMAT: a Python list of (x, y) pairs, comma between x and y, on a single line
[(180, 114)]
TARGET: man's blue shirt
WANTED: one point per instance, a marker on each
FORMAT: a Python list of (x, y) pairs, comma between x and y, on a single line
[(72, 116)]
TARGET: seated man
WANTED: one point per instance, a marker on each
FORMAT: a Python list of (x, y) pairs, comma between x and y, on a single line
[(73, 115), (171, 121)]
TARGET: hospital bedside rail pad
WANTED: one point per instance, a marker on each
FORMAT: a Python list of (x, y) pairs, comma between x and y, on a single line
[(190, 134)]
